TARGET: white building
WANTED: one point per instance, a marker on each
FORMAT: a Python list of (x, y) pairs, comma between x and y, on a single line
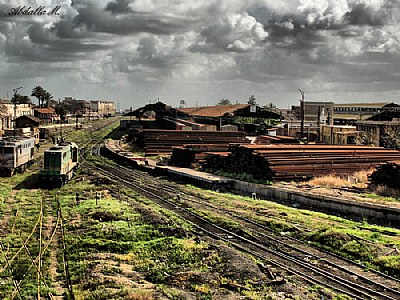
[(9, 112), (103, 108)]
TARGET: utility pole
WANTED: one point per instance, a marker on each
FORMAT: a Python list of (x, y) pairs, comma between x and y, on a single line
[(301, 112), (15, 107)]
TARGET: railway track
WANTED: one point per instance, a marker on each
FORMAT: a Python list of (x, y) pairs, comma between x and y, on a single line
[(287, 254)]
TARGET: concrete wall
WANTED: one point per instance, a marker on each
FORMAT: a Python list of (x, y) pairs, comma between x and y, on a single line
[(388, 215)]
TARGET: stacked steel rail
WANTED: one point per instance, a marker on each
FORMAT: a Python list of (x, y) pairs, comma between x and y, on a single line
[(192, 155), (298, 162), (156, 142)]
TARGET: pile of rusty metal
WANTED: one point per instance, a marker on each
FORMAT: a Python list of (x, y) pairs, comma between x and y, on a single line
[(277, 139), (298, 162), (387, 174), (156, 142), (193, 155)]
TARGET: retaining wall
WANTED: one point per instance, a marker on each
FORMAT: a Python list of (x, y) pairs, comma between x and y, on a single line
[(371, 211)]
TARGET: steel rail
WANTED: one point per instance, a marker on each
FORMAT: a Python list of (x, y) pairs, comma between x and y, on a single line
[(338, 280)]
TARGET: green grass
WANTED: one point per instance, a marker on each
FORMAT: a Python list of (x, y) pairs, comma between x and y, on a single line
[(369, 244), (127, 247)]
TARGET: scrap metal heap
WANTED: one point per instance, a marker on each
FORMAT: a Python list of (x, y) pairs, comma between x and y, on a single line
[(298, 162), (387, 174), (192, 155)]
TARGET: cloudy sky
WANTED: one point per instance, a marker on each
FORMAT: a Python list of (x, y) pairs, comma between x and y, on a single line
[(133, 51)]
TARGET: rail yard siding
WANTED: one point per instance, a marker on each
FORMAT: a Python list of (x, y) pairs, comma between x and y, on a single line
[(363, 210), (384, 214)]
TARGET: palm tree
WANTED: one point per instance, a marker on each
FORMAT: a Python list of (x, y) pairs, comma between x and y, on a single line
[(18, 98), (39, 93), (47, 98)]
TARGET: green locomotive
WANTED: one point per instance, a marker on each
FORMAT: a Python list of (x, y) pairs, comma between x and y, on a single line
[(60, 163)]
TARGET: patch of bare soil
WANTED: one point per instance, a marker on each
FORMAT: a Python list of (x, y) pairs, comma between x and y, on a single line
[(238, 267), (107, 270), (234, 273), (47, 233)]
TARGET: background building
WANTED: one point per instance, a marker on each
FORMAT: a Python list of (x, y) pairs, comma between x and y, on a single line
[(102, 108), (351, 113), (338, 135), (76, 107), (322, 112), (8, 112), (375, 130)]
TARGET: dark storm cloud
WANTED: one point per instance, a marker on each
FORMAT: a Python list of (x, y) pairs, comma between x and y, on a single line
[(361, 14), (98, 19), (119, 6), (314, 42), (39, 35), (148, 54)]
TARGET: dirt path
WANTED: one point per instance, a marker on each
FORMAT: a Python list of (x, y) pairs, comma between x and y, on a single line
[(57, 284)]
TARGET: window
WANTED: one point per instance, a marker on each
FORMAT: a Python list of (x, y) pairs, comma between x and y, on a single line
[(8, 150)]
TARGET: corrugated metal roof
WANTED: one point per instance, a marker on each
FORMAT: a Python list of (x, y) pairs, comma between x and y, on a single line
[(377, 105), (45, 110), (212, 111), (355, 115), (33, 118)]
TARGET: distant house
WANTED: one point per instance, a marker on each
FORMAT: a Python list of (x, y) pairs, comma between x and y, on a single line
[(46, 115), (390, 112), (210, 112), (350, 113), (26, 125), (102, 108), (338, 135), (376, 130), (245, 116), (322, 112), (76, 107), (9, 111), (27, 121)]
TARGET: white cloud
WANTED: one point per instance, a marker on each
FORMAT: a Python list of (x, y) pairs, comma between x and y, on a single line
[(234, 32), (268, 44), (323, 11)]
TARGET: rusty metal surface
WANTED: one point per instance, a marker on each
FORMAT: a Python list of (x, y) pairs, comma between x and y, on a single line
[(296, 162)]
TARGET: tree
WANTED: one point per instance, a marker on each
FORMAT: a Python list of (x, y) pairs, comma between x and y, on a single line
[(252, 100), (47, 98), (18, 98), (364, 138), (391, 137), (224, 102), (39, 93), (61, 109)]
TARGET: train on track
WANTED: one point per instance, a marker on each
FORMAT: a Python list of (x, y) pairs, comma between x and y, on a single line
[(16, 153), (60, 163)]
